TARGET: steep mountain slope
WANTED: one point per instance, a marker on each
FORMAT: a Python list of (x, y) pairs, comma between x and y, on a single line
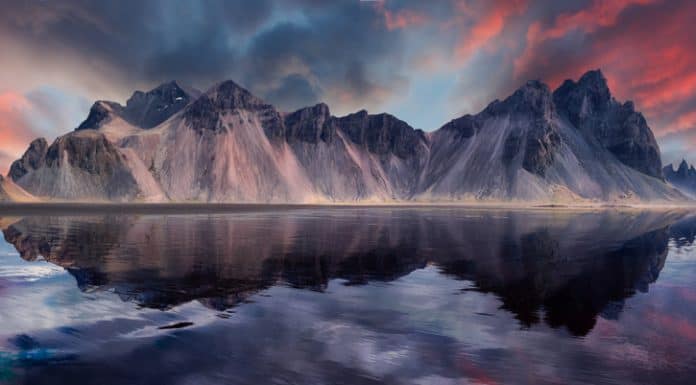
[(227, 145), (87, 164), (10, 192), (683, 178), (536, 145)]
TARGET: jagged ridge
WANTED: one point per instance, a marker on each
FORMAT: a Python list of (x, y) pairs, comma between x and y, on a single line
[(575, 143)]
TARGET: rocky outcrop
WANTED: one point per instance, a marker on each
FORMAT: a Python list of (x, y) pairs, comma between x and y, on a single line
[(589, 106), (33, 158), (227, 145), (207, 111), (536, 143), (310, 124), (148, 109), (142, 109), (78, 165)]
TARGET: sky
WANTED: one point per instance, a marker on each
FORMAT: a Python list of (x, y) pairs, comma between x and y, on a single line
[(425, 62)]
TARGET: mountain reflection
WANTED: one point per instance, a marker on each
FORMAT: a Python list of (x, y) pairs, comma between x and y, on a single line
[(563, 268)]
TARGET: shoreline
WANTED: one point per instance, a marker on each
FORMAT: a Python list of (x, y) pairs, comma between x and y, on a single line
[(9, 208)]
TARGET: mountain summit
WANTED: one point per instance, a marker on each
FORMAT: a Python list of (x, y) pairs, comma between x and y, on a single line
[(576, 143), (142, 109)]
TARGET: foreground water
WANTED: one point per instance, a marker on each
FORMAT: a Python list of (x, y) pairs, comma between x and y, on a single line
[(349, 296)]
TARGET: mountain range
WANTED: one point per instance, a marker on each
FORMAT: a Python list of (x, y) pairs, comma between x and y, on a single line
[(574, 144), (684, 177)]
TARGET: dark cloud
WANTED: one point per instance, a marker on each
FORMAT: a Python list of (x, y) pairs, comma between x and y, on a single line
[(294, 92), (261, 44), (345, 47)]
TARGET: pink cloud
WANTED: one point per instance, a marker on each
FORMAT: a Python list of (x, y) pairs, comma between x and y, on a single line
[(646, 52), (15, 130), (488, 25)]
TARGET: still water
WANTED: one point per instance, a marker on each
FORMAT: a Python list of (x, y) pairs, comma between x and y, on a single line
[(349, 296)]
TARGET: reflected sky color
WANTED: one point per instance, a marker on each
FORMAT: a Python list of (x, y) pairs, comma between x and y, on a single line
[(404, 296)]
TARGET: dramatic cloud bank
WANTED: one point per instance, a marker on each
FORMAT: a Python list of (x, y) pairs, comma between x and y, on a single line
[(425, 62)]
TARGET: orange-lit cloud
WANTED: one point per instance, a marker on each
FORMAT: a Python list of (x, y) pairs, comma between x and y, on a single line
[(644, 48), (488, 25)]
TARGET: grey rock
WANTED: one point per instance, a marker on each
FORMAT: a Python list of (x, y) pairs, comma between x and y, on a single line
[(149, 109), (143, 109), (205, 112), (99, 114), (382, 134), (81, 165), (310, 124), (589, 106), (32, 159)]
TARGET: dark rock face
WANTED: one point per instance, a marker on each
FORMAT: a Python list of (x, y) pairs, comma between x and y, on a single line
[(532, 105), (204, 114), (463, 127), (310, 124), (143, 109), (94, 154), (32, 159), (149, 109), (99, 114), (382, 134), (539, 149), (684, 177), (80, 164), (589, 106), (533, 99)]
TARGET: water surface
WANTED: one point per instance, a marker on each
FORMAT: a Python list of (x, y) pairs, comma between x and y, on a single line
[(349, 296)]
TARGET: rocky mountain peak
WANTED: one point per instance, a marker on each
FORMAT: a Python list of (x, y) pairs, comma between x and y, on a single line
[(595, 82), (101, 112), (590, 95), (309, 124), (382, 133), (205, 112), (149, 109), (32, 159), (143, 109), (534, 97), (589, 106), (230, 95)]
